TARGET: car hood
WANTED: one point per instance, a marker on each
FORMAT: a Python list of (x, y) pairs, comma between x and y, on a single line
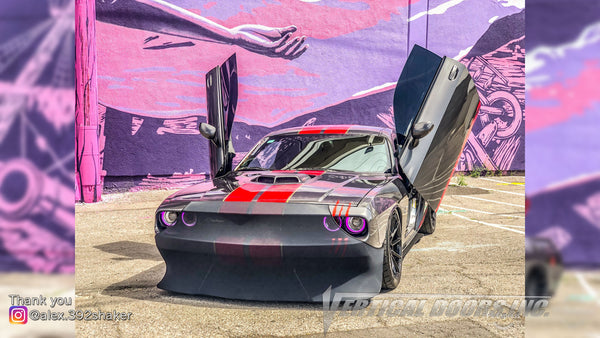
[(323, 187)]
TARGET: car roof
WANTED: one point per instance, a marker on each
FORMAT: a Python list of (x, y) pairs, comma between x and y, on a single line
[(335, 129)]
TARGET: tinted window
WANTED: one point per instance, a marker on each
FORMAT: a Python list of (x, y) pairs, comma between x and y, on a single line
[(357, 153), (414, 82)]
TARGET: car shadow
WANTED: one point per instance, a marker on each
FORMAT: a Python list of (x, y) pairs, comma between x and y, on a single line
[(129, 250)]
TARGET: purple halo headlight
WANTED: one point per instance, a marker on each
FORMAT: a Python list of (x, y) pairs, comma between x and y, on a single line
[(329, 227), (189, 218), (355, 225), (168, 218)]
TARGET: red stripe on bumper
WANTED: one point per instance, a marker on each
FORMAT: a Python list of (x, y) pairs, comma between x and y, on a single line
[(278, 193), (244, 193), (265, 251), (229, 253)]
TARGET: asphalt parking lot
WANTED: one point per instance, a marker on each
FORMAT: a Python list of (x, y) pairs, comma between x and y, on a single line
[(477, 251)]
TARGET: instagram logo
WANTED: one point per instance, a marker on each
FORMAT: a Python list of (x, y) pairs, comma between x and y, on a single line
[(17, 314)]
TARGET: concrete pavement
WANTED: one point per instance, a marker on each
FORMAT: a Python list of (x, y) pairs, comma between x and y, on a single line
[(476, 251)]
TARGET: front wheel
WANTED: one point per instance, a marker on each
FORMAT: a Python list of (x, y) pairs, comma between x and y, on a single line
[(428, 226), (392, 255)]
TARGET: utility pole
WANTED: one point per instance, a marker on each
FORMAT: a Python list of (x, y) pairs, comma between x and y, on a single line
[(87, 159)]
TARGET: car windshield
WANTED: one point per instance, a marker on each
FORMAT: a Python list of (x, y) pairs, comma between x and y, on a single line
[(356, 153)]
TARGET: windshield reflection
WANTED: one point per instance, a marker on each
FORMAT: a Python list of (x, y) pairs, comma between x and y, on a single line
[(356, 153)]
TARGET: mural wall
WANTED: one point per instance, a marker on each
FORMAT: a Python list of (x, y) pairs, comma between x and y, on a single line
[(300, 63), (37, 223), (563, 148)]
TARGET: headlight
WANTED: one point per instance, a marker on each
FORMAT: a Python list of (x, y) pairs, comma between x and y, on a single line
[(168, 218), (331, 224), (188, 218), (355, 225)]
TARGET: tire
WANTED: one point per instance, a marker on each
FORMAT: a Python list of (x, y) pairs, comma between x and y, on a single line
[(392, 254), (428, 226), (536, 285)]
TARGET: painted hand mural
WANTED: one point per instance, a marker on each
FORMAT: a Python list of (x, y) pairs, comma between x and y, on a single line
[(274, 42), (166, 18)]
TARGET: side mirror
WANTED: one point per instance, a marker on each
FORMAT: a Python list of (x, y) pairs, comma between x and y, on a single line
[(419, 131), (208, 131)]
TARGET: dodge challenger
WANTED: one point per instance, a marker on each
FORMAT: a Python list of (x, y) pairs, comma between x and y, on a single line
[(316, 208)]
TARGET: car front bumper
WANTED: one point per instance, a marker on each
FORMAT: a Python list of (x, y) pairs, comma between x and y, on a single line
[(268, 258)]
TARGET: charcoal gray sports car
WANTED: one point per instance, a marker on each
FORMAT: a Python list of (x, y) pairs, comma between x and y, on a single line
[(317, 207)]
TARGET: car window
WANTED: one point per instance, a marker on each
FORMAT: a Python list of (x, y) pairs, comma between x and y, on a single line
[(266, 157), (356, 153)]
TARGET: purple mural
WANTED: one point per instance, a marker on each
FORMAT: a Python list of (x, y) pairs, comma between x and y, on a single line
[(37, 223), (563, 162), (496, 141), (300, 63)]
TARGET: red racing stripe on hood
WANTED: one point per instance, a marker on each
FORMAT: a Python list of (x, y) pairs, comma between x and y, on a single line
[(279, 193), (245, 192)]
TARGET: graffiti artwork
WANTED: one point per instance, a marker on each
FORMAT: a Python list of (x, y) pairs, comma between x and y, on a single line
[(497, 141), (302, 63)]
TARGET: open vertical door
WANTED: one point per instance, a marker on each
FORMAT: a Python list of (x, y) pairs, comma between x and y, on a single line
[(435, 105), (221, 102)]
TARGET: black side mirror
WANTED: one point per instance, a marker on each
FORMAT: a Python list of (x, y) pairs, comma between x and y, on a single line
[(208, 131), (419, 131)]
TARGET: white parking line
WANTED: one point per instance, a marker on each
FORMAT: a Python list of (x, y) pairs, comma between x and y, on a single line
[(489, 224), (498, 181), (503, 191), (491, 201), (480, 211), (514, 226), (586, 286)]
